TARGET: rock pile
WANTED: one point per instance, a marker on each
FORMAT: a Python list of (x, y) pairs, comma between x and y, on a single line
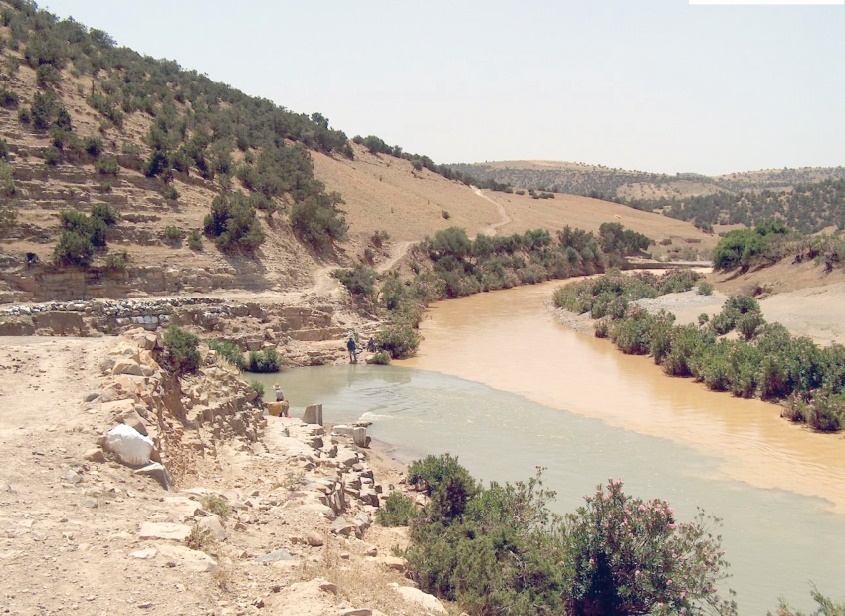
[(179, 418)]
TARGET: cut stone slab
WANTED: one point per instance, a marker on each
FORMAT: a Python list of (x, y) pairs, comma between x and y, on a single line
[(275, 555), (191, 559), (158, 472), (213, 524), (168, 531), (428, 602)]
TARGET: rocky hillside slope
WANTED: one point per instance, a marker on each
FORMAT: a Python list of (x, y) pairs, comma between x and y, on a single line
[(87, 125)]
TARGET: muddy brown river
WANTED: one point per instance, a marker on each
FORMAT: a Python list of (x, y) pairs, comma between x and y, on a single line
[(510, 341), (500, 384)]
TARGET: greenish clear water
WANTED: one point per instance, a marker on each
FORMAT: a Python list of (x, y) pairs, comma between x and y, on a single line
[(777, 542)]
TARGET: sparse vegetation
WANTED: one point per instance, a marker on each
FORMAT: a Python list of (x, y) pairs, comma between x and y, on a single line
[(229, 351), (181, 350), (258, 386), (200, 539), (267, 360), (215, 505), (380, 358)]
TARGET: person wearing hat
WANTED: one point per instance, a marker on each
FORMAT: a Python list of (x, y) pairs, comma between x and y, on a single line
[(280, 397), (350, 346)]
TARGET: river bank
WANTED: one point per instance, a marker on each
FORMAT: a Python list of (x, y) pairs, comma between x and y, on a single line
[(276, 516)]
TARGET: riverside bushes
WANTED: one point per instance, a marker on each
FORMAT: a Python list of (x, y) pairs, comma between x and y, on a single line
[(764, 361), (267, 360), (500, 548), (452, 265)]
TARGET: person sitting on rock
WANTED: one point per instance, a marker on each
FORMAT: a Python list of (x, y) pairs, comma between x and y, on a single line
[(371, 345), (280, 398)]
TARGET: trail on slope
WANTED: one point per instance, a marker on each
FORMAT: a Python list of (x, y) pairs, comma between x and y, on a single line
[(396, 254), (505, 219)]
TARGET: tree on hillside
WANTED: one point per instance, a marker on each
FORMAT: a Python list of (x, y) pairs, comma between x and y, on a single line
[(233, 225), (317, 220)]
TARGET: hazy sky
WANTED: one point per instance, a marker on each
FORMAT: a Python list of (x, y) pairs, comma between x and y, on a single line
[(656, 85)]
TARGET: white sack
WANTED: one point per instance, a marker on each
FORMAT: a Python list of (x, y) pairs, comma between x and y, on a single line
[(131, 446)]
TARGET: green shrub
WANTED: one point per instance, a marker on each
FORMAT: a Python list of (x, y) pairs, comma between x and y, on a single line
[(73, 248), (233, 225), (705, 288), (317, 221), (400, 339), (93, 146), (381, 358), (107, 165), (397, 510), (264, 361), (748, 324), (215, 505), (8, 187), (195, 240), (602, 328), (117, 261), (170, 193), (714, 367), (258, 386), (448, 485), (106, 213), (173, 235), (631, 334), (687, 343), (52, 155), (8, 98), (360, 280), (230, 351), (826, 413), (826, 607), (181, 350)]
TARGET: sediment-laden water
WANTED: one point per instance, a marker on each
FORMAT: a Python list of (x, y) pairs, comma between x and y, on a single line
[(535, 394)]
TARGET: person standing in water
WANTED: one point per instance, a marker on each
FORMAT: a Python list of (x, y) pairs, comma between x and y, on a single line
[(350, 346)]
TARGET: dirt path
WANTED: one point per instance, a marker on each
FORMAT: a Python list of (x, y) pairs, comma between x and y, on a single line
[(43, 379), (396, 253), (505, 219)]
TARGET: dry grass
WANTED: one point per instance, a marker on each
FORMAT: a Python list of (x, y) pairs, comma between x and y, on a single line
[(363, 581)]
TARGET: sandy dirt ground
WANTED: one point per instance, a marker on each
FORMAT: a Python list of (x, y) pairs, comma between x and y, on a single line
[(72, 525)]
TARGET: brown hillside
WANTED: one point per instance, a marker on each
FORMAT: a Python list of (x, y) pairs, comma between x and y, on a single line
[(380, 193)]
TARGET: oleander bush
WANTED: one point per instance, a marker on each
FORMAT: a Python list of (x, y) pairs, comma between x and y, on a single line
[(489, 547)]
